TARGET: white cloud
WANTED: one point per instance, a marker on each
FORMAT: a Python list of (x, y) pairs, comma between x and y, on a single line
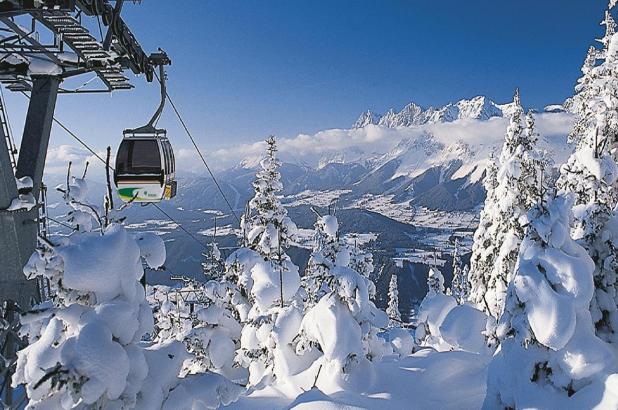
[(351, 143), (58, 159)]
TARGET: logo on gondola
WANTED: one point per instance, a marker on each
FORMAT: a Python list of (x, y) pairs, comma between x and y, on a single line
[(136, 194)]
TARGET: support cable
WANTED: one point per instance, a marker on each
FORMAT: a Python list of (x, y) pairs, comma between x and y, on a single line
[(72, 134), (199, 152), (179, 225)]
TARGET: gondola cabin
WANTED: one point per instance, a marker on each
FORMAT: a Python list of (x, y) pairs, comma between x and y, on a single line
[(145, 166)]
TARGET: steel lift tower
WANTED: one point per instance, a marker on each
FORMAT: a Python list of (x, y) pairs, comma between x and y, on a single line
[(44, 45)]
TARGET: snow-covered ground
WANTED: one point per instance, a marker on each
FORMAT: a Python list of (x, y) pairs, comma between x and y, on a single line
[(424, 380), (157, 226), (220, 231), (421, 217), (314, 198)]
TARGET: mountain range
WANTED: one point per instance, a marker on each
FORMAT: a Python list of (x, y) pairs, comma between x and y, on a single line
[(478, 108), (435, 158)]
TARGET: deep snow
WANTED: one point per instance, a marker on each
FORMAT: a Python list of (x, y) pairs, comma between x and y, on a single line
[(424, 380)]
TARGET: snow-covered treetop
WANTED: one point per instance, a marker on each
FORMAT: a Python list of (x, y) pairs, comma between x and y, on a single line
[(610, 29), (591, 171), (329, 226), (514, 131), (435, 282)]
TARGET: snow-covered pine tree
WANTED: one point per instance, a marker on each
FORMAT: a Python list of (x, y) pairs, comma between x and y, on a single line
[(214, 332), (484, 250), (205, 317), (324, 256), (591, 174), (84, 345), (583, 91), (213, 265), (338, 333), (519, 180), (465, 294), (270, 281), (549, 355), (459, 287), (169, 311), (393, 303), (360, 259), (435, 282), (459, 284), (267, 226)]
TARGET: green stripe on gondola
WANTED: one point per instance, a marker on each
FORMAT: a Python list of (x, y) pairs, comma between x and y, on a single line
[(128, 194)]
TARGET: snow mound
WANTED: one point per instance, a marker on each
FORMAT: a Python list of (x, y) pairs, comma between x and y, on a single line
[(463, 328), (315, 399), (91, 256), (152, 249), (431, 315), (401, 341)]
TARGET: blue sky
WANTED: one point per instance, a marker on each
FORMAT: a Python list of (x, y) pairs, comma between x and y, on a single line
[(244, 69)]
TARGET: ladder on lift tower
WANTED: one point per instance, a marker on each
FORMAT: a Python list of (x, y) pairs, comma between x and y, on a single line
[(8, 135), (42, 282), (86, 47)]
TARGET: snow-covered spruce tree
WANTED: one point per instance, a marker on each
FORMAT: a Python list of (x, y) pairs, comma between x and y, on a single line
[(432, 311), (519, 180), (484, 250), (267, 226), (360, 259), (269, 280), (435, 282), (205, 317), (170, 318), (338, 333), (327, 252), (214, 332), (591, 174), (393, 303), (549, 355), (213, 265), (84, 348), (459, 285), (174, 308)]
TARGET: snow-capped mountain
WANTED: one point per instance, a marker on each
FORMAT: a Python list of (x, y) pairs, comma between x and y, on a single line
[(477, 108)]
